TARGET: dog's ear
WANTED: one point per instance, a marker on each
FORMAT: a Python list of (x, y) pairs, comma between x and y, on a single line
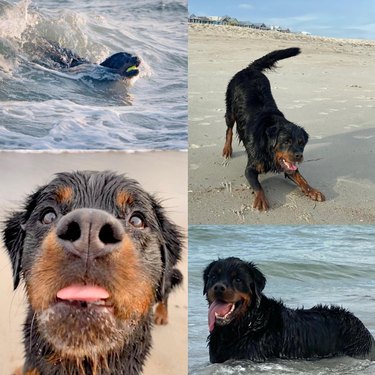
[(171, 238), (259, 282), (305, 135), (272, 134), (206, 272), (14, 236)]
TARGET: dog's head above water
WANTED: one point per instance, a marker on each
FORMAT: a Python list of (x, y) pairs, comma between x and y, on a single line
[(287, 142), (232, 288)]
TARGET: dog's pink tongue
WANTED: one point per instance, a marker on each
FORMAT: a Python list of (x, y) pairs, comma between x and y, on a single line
[(87, 293), (219, 308), (291, 166)]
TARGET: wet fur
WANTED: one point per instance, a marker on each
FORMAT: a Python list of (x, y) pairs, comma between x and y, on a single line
[(267, 329), (147, 262), (262, 128)]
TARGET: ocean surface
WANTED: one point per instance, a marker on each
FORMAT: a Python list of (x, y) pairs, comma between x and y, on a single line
[(304, 266), (42, 108)]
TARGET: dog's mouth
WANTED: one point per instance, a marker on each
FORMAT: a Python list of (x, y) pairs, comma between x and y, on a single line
[(91, 297), (133, 70), (222, 313), (288, 166)]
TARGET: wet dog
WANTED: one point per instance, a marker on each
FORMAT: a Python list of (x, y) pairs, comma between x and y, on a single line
[(245, 324), (273, 144), (51, 55), (96, 252)]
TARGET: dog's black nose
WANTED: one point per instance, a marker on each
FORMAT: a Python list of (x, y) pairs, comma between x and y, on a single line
[(298, 156), (89, 233), (219, 288)]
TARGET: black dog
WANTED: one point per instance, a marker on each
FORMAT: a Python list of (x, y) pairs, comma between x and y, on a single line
[(272, 142), (245, 324), (51, 55), (96, 252)]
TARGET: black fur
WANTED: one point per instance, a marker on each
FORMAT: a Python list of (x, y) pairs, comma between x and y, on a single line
[(273, 144), (262, 328), (158, 245), (52, 55)]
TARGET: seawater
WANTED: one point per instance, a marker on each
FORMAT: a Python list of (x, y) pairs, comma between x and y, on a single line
[(42, 108), (304, 266)]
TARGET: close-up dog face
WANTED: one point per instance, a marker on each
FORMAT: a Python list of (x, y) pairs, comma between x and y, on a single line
[(92, 248), (287, 142), (231, 286)]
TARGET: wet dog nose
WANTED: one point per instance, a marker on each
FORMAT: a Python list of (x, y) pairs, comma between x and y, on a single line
[(89, 233), (219, 288), (298, 156)]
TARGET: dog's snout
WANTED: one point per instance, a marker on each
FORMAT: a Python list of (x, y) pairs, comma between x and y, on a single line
[(89, 232), (219, 288), (298, 156)]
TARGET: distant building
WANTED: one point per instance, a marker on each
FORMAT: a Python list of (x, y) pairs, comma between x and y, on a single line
[(227, 20)]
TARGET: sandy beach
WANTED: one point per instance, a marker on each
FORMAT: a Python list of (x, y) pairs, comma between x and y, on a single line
[(162, 173), (329, 90)]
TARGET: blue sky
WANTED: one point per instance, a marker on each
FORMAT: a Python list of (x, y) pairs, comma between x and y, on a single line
[(332, 18)]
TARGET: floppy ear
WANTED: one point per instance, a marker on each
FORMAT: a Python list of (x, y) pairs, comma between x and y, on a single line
[(170, 251), (206, 272), (272, 133), (259, 282), (305, 135), (14, 236)]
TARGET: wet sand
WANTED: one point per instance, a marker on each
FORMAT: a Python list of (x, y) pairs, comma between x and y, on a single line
[(328, 89)]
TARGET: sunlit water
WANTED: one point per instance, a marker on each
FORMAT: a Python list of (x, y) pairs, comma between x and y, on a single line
[(42, 108), (304, 266)]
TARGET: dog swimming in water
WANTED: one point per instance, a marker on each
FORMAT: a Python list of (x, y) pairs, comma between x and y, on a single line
[(53, 56)]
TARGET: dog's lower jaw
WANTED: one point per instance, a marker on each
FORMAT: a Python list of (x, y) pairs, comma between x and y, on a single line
[(43, 359)]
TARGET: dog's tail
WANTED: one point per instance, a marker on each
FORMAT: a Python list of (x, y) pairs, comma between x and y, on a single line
[(268, 61)]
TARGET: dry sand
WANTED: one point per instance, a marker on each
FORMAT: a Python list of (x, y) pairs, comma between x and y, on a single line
[(161, 173), (329, 90)]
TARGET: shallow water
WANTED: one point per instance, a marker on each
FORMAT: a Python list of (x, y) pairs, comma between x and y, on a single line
[(41, 108), (304, 266)]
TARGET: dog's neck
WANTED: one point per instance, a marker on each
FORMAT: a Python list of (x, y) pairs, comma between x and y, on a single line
[(41, 357)]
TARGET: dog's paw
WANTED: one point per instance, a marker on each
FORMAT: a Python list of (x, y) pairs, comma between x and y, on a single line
[(260, 202), (316, 195), (161, 314), (227, 151)]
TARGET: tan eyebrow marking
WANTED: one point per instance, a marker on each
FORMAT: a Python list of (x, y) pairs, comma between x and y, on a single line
[(123, 198), (64, 194)]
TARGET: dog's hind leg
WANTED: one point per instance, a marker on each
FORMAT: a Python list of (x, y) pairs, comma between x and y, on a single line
[(306, 189), (260, 201)]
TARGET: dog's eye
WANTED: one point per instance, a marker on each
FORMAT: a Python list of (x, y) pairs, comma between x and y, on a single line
[(49, 217), (237, 280), (137, 221)]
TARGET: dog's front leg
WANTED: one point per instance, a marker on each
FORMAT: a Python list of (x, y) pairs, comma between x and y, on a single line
[(306, 189), (227, 150), (260, 201)]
